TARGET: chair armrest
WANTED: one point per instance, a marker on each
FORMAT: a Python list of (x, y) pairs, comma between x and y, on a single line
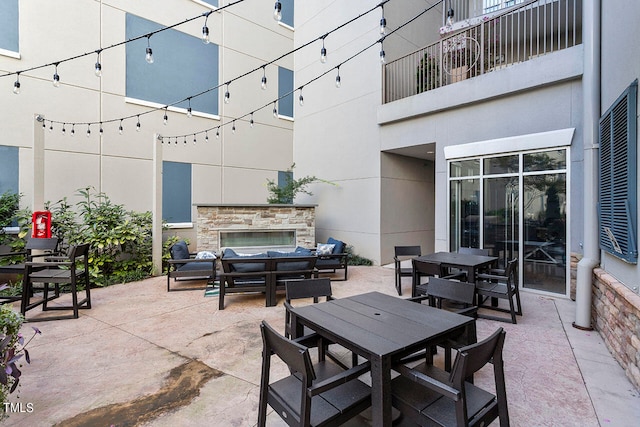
[(486, 276), (6, 254), (342, 378), (418, 299), (428, 382), (469, 311), (190, 260), (49, 263)]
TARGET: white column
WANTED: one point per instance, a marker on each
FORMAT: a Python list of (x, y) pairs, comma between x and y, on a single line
[(157, 205)]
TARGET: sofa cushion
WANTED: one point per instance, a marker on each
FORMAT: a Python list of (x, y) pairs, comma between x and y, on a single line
[(325, 249), (339, 245), (304, 251), (179, 250), (242, 267), (289, 266), (197, 266)]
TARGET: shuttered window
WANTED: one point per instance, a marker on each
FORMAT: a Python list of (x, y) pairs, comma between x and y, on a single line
[(618, 177)]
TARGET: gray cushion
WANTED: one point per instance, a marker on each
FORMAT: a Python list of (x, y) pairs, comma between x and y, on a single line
[(179, 250), (339, 245), (244, 267), (289, 266)]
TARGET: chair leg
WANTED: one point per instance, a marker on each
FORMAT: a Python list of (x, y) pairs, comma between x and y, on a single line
[(512, 309)]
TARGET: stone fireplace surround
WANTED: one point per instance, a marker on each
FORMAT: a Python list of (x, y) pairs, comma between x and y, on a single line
[(212, 219)]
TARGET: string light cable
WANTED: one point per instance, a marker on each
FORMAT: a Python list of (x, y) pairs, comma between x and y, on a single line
[(273, 103)]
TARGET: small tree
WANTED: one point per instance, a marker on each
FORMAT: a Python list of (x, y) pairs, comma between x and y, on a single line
[(286, 193)]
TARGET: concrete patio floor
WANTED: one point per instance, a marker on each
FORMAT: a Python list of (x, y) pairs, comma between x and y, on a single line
[(145, 357)]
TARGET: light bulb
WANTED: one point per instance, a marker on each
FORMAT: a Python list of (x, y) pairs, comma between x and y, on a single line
[(138, 126), (383, 25), (277, 11), (218, 133), (275, 111), (56, 80), (338, 82), (251, 121), (301, 100), (233, 127), (98, 69), (64, 131), (51, 127), (263, 85), (194, 139), (205, 35), (450, 15), (184, 140), (101, 129), (206, 137), (323, 55), (16, 87), (165, 119), (120, 128), (88, 131), (73, 130), (227, 96), (149, 56), (189, 112), (382, 57)]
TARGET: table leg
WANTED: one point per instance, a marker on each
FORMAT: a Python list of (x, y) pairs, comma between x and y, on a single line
[(381, 409)]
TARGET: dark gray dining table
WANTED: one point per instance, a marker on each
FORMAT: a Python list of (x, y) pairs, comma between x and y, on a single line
[(382, 329), (471, 264)]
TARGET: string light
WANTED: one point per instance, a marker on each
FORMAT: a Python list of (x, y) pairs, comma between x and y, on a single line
[(165, 119), (73, 130), (382, 55), (56, 77), (120, 128), (383, 22), (233, 127), (301, 98), (251, 120), (101, 129), (189, 112), (138, 126), (338, 80), (194, 139), (227, 95), (64, 131), (218, 133), (16, 84), (206, 136), (98, 67), (277, 11), (50, 126), (205, 30), (263, 84), (323, 51), (184, 140), (88, 131), (149, 52), (450, 15)]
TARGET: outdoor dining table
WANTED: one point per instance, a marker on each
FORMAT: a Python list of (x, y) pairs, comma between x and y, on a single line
[(471, 264), (381, 329)]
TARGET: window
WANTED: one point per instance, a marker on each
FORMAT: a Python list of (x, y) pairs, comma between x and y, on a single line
[(176, 192), (618, 177), (9, 25), (287, 12), (9, 169), (213, 3), (183, 66), (285, 92)]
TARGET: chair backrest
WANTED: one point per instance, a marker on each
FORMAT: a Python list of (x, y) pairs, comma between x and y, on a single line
[(42, 244), (427, 268), (472, 358), (294, 355), (179, 250), (451, 290), (407, 251), (473, 251), (511, 272), (308, 288)]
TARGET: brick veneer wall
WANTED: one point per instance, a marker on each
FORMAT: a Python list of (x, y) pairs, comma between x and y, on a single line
[(213, 218), (616, 315)]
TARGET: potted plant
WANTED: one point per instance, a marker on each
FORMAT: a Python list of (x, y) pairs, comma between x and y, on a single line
[(12, 349)]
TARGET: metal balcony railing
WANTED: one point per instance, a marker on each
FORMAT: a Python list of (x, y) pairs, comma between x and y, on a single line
[(484, 44)]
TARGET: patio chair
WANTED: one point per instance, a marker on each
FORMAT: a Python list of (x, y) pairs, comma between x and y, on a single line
[(305, 289), (59, 271), (45, 247), (403, 254), (461, 274), (424, 269), (500, 286), (337, 259), (184, 265), (458, 297), (321, 394), (430, 396)]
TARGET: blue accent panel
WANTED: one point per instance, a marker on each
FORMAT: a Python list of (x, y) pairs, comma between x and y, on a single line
[(287, 12), (9, 169), (183, 66), (285, 86), (9, 25), (176, 192)]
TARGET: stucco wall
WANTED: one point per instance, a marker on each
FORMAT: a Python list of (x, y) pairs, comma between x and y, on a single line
[(616, 315)]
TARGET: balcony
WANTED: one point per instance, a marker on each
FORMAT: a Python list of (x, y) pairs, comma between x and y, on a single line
[(479, 44)]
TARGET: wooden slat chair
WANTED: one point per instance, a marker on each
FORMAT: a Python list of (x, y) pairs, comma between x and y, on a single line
[(424, 269), (321, 394), (403, 254), (71, 271), (500, 286), (430, 396)]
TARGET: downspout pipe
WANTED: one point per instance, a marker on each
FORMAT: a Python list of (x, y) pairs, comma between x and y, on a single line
[(590, 117)]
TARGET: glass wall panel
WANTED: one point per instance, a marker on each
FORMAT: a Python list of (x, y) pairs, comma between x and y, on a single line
[(500, 217), (464, 168), (545, 161), (465, 214), (500, 165)]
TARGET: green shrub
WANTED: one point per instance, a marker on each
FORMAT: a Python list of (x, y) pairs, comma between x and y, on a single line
[(356, 259)]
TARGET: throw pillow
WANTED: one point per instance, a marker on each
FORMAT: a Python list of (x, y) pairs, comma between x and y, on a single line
[(339, 245), (324, 249), (205, 255), (180, 250)]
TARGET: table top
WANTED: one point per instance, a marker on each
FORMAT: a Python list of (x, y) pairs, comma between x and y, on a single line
[(377, 324), (457, 259)]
